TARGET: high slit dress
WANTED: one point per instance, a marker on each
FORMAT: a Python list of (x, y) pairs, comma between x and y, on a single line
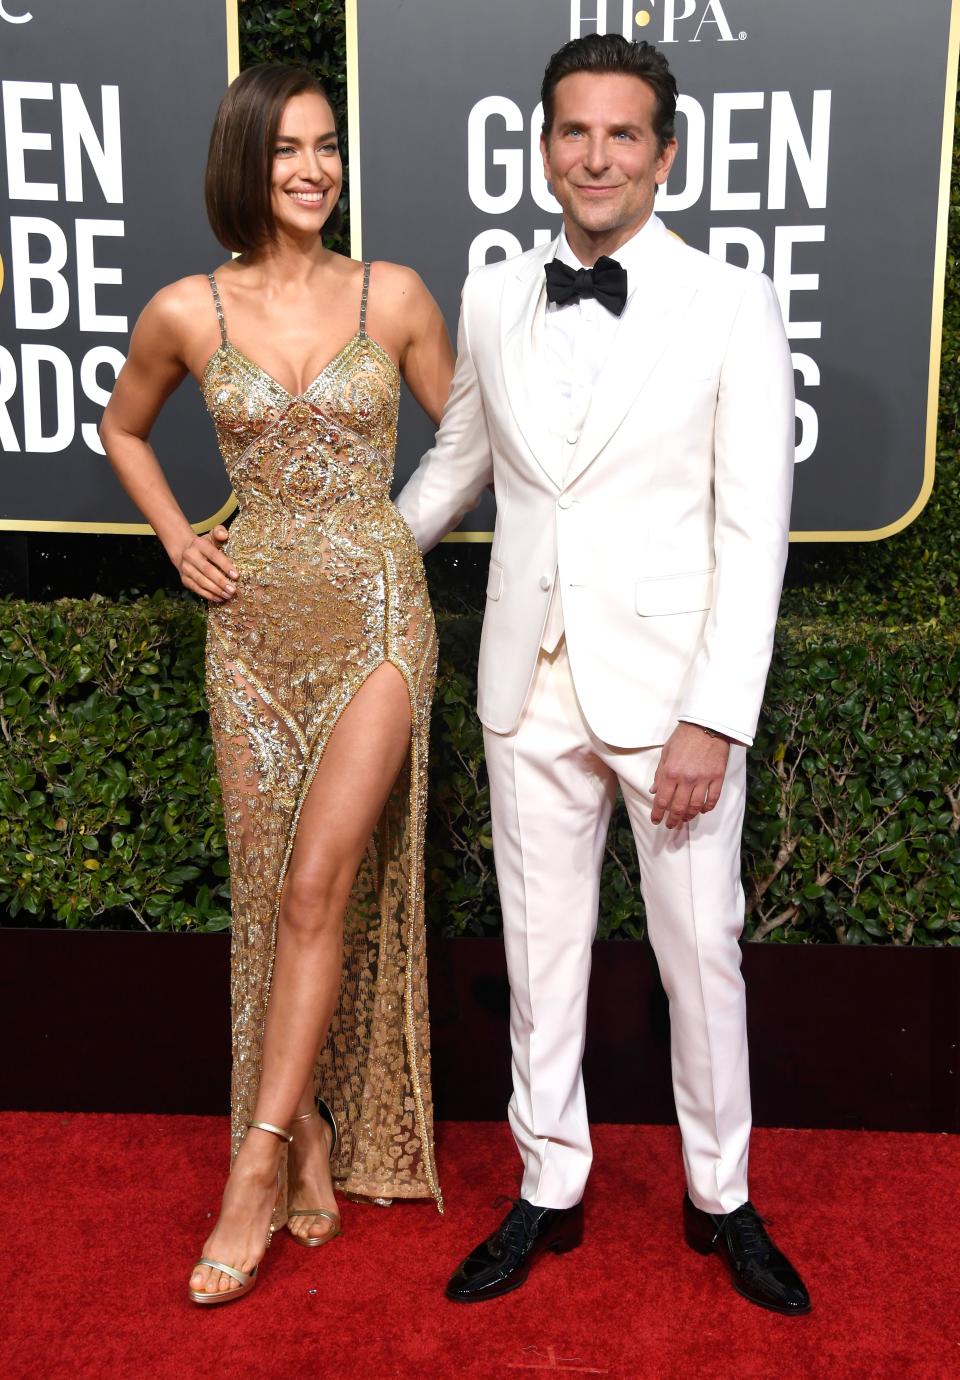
[(331, 587)]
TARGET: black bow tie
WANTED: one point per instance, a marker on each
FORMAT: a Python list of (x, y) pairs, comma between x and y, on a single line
[(606, 281)]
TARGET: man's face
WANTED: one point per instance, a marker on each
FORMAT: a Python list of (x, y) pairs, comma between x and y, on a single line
[(602, 155)]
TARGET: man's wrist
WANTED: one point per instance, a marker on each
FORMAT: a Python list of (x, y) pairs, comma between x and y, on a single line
[(710, 732)]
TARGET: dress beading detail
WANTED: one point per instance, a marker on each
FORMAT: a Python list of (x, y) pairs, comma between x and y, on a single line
[(330, 588)]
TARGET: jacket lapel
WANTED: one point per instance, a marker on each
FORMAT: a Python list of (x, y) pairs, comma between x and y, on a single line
[(652, 318), (523, 371)]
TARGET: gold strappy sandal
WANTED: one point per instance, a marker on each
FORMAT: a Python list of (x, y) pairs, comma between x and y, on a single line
[(246, 1281), (324, 1113)]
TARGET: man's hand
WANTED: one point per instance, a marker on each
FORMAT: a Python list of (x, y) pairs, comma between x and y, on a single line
[(689, 775)]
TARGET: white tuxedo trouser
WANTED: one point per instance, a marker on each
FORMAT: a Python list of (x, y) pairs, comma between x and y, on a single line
[(552, 790)]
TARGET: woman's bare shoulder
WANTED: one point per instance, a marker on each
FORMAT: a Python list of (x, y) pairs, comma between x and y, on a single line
[(399, 282), (179, 303)]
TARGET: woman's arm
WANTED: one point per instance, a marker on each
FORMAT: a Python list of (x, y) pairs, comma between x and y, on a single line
[(161, 343), (410, 320), (452, 476)]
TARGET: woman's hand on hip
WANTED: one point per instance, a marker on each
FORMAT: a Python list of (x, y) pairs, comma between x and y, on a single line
[(205, 569)]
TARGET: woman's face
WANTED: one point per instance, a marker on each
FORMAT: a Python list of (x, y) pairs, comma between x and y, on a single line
[(307, 174)]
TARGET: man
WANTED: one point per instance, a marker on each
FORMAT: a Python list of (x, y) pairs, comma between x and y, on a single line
[(636, 417)]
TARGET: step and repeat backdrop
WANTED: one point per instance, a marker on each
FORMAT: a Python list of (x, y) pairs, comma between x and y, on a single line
[(815, 145), (105, 114)]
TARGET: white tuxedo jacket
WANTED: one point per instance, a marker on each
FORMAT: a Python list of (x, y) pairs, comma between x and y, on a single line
[(667, 530)]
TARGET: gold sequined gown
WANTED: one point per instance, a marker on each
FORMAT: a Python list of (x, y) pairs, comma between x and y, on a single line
[(330, 587)]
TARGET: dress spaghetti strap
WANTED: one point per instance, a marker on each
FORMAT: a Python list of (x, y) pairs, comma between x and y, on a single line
[(362, 333), (219, 306)]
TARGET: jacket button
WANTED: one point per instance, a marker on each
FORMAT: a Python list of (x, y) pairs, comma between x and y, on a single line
[(565, 501), (545, 582), (572, 438)]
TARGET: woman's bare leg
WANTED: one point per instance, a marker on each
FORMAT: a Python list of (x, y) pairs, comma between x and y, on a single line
[(360, 765)]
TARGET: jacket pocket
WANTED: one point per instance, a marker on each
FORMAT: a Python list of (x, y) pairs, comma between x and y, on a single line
[(674, 594), (494, 580)]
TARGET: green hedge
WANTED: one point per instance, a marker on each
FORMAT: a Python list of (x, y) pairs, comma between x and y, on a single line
[(108, 795), (111, 813)]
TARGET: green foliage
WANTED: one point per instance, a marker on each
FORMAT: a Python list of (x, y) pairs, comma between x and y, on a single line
[(111, 813), (309, 32), (852, 832), (461, 887), (853, 823), (108, 795)]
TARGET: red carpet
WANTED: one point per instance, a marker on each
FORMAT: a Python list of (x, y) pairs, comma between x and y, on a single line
[(103, 1216)]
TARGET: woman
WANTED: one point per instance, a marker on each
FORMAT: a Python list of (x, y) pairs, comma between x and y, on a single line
[(320, 662)]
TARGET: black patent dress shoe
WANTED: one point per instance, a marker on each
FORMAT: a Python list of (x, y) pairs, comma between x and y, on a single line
[(503, 1261), (759, 1271)]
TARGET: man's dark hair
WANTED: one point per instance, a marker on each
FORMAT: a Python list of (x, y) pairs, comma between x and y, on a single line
[(613, 53), (237, 185)]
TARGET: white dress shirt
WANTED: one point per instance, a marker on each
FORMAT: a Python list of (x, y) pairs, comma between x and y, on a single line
[(574, 342), (578, 336)]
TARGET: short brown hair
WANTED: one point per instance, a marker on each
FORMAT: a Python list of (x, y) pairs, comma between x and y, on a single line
[(602, 53), (240, 158)]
